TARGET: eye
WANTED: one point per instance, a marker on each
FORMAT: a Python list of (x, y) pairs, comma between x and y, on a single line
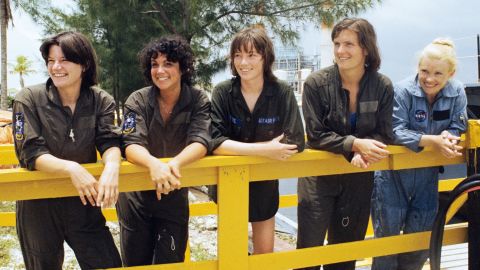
[(154, 64), (168, 64)]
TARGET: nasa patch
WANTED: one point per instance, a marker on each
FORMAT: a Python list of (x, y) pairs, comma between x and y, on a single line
[(19, 126), (129, 123), (420, 115)]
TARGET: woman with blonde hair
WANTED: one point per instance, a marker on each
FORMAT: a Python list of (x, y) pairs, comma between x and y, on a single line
[(429, 110)]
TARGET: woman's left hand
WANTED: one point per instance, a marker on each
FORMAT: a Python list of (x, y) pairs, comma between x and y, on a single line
[(108, 185), (359, 162)]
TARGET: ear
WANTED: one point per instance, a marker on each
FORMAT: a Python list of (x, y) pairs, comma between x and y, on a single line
[(452, 73)]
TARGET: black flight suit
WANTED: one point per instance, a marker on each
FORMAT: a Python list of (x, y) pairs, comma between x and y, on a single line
[(340, 203), (44, 126), (154, 231), (276, 112)]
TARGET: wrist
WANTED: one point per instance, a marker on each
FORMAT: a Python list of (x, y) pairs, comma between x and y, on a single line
[(174, 163)]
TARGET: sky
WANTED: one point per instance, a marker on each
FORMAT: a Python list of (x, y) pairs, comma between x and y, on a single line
[(403, 28)]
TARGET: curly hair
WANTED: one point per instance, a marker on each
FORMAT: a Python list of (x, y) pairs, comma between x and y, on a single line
[(176, 49)]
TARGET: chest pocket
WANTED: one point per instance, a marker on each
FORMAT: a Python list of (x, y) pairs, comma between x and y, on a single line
[(177, 129), (267, 127), (84, 129), (366, 117)]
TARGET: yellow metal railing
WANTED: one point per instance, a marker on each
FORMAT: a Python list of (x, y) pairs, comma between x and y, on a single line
[(232, 174)]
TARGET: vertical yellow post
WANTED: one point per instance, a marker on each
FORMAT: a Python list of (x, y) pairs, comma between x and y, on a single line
[(233, 217)]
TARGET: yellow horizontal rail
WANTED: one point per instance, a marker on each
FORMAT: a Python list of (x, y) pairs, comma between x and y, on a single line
[(21, 184), (232, 174)]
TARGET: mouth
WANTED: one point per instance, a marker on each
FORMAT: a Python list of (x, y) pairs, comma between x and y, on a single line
[(161, 78), (430, 85), (59, 75)]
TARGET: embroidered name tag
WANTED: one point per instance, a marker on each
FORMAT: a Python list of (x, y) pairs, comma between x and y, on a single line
[(268, 120), (441, 115), (235, 121), (368, 106)]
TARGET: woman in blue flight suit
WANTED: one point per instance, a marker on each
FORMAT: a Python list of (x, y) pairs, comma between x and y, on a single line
[(429, 110)]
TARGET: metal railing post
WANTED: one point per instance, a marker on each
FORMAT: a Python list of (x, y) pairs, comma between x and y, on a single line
[(233, 217)]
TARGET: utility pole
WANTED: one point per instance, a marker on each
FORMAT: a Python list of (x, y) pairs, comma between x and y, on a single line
[(478, 56)]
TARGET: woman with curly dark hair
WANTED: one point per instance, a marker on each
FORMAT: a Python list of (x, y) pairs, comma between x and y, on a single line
[(168, 118)]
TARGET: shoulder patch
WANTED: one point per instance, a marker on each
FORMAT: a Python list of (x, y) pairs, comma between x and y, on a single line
[(129, 123), (19, 126)]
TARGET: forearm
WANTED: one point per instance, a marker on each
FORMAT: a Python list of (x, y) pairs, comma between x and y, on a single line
[(231, 147), (111, 156), (51, 164), (428, 140), (189, 154), (139, 155)]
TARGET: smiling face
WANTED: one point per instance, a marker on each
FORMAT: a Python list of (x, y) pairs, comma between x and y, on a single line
[(248, 63), (348, 53), (166, 75), (64, 73), (433, 75)]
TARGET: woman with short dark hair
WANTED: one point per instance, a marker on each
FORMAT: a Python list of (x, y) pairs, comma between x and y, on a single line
[(168, 118), (256, 114), (348, 110), (57, 126)]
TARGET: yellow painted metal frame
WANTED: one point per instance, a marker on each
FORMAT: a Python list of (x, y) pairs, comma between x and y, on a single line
[(233, 175)]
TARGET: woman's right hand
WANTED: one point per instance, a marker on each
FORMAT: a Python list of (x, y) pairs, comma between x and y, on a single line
[(84, 182), (162, 177), (274, 149), (447, 144), (371, 150)]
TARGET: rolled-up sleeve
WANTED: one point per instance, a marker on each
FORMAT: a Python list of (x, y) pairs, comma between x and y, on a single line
[(199, 129), (107, 134), (220, 124), (292, 125), (27, 129), (134, 127)]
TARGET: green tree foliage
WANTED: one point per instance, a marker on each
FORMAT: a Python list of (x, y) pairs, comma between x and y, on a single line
[(23, 67), (119, 28)]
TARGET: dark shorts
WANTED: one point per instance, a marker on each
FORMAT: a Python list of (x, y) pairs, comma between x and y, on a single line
[(263, 199)]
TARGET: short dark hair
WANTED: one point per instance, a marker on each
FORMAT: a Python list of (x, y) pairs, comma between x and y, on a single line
[(258, 38), (77, 49), (366, 37), (176, 49)]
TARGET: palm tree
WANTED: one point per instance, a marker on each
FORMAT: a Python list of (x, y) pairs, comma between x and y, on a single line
[(5, 18), (22, 67)]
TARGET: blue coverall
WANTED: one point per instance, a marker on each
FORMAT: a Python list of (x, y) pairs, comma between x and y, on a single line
[(408, 199)]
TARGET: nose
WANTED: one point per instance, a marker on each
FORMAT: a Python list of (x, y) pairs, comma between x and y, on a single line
[(160, 69), (340, 48), (243, 60), (56, 65), (429, 78)]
